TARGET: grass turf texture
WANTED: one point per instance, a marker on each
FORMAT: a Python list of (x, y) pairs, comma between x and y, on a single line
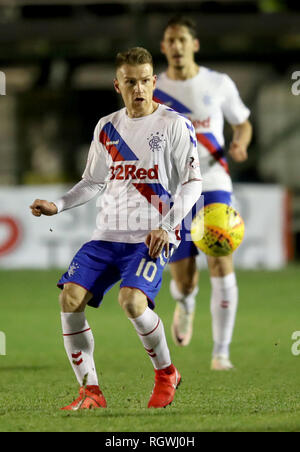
[(262, 394)]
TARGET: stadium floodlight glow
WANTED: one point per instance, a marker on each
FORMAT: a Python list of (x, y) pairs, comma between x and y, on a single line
[(2, 343), (2, 84)]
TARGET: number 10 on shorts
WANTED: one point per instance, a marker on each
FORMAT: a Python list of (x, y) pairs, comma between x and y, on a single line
[(148, 271)]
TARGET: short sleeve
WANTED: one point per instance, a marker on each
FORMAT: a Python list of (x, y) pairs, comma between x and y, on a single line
[(233, 107), (185, 151), (96, 169)]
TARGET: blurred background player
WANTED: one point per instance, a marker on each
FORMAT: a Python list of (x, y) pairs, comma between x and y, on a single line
[(128, 166), (206, 97)]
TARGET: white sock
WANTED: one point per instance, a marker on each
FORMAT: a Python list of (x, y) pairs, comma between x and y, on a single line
[(224, 302), (187, 301), (152, 334), (79, 345)]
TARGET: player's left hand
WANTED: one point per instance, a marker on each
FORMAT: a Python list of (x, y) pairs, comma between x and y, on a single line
[(42, 207), (238, 151), (157, 240)]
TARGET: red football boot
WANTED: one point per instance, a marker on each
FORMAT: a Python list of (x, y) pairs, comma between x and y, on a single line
[(166, 382), (89, 397)]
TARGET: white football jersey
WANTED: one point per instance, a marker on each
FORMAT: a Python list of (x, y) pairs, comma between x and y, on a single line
[(142, 161), (206, 99)]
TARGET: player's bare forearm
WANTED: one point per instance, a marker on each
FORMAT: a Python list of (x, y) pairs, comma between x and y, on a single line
[(242, 134), (157, 240), (42, 207)]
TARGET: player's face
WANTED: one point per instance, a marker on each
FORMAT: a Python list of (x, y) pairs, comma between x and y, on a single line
[(136, 85), (179, 46)]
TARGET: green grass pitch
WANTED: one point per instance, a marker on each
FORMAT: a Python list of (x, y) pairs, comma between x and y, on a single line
[(262, 394)]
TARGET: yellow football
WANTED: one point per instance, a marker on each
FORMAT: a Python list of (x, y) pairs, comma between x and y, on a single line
[(217, 229)]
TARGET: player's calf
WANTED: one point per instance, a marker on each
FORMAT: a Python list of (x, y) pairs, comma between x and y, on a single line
[(185, 275), (220, 266)]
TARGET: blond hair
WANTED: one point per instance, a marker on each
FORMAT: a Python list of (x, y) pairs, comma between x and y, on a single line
[(134, 57)]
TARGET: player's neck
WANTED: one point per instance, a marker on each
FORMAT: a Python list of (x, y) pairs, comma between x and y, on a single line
[(182, 73), (133, 114)]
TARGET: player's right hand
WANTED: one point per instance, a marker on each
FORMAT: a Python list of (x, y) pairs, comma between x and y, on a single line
[(156, 241), (238, 151), (42, 207)]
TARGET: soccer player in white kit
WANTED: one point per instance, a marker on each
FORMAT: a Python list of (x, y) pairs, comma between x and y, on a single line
[(206, 97), (140, 156)]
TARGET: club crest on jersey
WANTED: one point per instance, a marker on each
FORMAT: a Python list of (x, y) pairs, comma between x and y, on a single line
[(73, 267), (156, 141)]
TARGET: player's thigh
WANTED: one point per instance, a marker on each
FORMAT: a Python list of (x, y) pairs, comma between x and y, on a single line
[(185, 274), (74, 298), (93, 269), (220, 266), (132, 301), (139, 271)]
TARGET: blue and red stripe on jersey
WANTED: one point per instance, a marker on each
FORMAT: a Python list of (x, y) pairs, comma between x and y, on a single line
[(115, 145), (120, 151), (163, 98), (209, 141), (156, 195)]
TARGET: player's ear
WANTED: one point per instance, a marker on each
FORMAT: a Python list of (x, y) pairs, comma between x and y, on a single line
[(162, 47), (196, 45), (116, 85), (154, 80)]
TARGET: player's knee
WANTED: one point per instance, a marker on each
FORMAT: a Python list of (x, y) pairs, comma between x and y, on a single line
[(132, 301), (187, 282), (186, 286), (220, 266), (185, 274), (70, 300)]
